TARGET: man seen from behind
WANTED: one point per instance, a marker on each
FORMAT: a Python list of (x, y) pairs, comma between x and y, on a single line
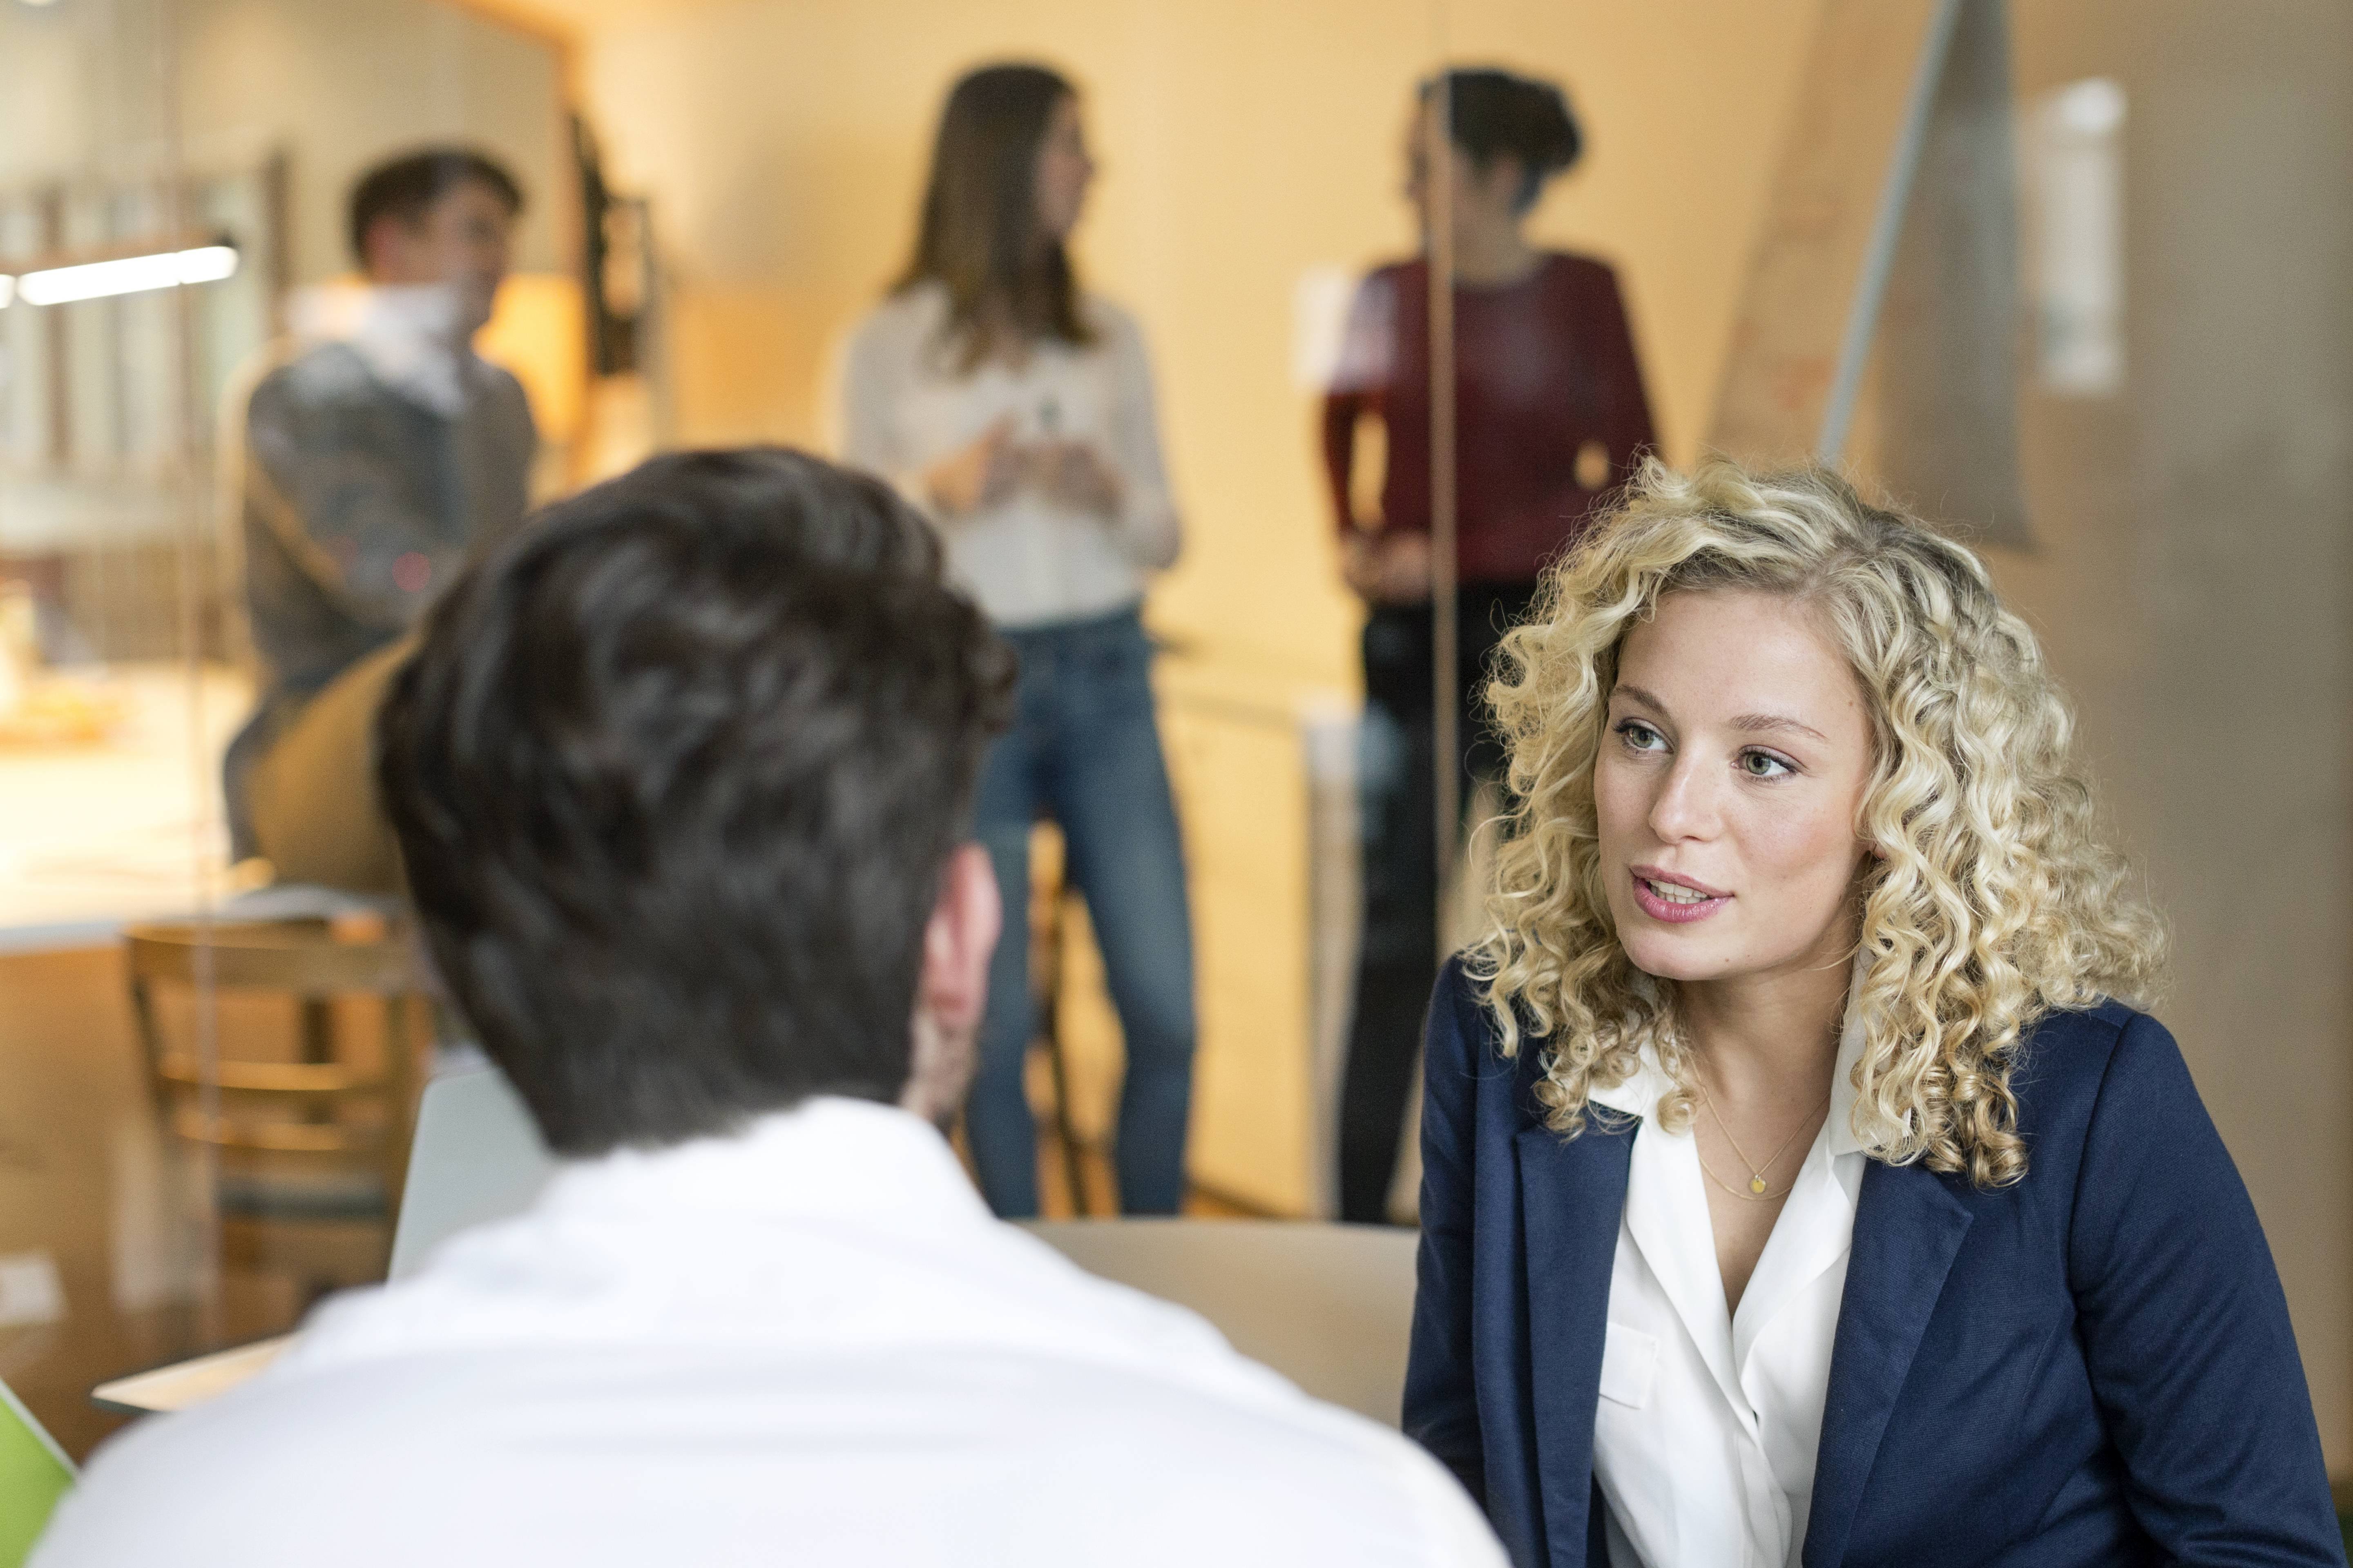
[(682, 779)]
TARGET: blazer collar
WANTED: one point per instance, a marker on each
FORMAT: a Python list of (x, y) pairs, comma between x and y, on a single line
[(1907, 1228), (1573, 1192)]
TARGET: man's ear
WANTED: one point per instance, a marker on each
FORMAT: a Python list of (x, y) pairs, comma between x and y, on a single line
[(952, 992)]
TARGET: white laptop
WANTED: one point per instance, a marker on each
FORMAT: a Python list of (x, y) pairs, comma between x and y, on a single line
[(477, 1156)]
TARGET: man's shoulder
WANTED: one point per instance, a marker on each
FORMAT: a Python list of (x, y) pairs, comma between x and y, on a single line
[(1296, 1479), (503, 384), (324, 372), (260, 1462)]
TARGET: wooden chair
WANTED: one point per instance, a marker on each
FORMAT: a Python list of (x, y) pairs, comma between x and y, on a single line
[(308, 1153)]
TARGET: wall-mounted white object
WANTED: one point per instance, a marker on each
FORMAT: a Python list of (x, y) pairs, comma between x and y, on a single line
[(2074, 139)]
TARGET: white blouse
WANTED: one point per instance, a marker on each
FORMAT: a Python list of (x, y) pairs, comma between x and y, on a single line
[(1705, 1434), (1030, 562)]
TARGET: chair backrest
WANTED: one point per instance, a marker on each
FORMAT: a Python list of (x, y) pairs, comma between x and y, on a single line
[(304, 958), (1328, 1306), (272, 1108), (33, 1474)]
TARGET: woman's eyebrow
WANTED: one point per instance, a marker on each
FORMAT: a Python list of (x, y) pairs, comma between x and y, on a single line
[(1755, 723), (1747, 723)]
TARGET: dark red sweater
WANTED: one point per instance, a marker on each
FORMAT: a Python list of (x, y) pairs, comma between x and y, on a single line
[(1542, 367)]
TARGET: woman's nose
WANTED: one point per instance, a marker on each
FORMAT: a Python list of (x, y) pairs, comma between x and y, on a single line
[(1685, 807)]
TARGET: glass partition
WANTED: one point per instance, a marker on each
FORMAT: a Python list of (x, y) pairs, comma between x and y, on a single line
[(206, 1070)]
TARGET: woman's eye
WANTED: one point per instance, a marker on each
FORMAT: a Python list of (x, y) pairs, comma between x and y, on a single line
[(1640, 737), (1763, 765)]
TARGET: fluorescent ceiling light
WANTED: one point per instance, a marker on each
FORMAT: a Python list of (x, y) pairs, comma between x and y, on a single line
[(125, 275)]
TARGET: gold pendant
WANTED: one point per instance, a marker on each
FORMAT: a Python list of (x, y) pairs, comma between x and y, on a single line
[(1756, 1184)]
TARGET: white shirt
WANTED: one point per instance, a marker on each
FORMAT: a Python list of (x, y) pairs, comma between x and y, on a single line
[(808, 1344), (1705, 1434), (1029, 561), (409, 337)]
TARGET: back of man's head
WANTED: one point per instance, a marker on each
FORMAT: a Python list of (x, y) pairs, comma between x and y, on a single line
[(675, 776)]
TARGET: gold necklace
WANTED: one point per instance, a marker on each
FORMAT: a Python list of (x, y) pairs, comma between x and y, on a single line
[(1749, 1197), (1756, 1193)]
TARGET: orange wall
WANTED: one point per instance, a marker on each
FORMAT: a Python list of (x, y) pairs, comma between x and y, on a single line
[(1242, 144)]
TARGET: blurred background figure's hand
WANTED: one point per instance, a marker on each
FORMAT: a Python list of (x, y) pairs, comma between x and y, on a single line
[(979, 475), (1074, 474), (1387, 568)]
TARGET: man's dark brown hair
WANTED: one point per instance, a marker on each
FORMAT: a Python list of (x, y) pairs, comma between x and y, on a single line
[(406, 187), (676, 774)]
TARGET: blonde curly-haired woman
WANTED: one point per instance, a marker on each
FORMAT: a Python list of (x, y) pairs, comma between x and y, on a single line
[(1801, 1184)]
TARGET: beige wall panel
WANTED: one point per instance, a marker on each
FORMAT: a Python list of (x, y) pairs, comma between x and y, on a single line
[(341, 83), (2193, 575)]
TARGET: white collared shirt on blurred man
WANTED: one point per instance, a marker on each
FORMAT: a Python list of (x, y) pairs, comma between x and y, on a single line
[(808, 1344)]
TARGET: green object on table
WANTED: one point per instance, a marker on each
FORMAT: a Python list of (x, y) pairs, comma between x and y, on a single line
[(34, 1473)]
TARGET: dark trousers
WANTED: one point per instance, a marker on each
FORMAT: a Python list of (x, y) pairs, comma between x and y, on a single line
[(1397, 960)]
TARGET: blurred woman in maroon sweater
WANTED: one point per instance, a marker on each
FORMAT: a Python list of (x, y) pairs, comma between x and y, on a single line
[(1549, 416)]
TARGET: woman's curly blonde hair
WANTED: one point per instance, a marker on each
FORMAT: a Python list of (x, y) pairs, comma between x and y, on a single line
[(1991, 901)]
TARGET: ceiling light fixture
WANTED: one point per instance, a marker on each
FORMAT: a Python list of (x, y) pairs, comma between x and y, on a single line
[(122, 275)]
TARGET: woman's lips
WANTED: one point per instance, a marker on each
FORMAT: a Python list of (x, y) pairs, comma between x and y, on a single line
[(1673, 900)]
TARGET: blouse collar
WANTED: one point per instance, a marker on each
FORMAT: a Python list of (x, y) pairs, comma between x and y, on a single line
[(1640, 1093)]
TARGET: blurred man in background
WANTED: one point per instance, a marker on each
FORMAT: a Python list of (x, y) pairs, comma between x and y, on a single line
[(374, 469)]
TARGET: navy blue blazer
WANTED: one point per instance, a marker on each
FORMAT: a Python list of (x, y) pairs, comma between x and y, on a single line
[(2093, 1366)]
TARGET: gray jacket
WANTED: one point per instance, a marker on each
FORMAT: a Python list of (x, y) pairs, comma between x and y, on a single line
[(360, 505)]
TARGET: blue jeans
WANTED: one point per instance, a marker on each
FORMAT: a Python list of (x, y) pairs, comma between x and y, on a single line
[(1085, 752)]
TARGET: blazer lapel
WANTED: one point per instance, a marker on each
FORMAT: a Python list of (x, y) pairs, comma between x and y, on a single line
[(1907, 1228), (1572, 1195)]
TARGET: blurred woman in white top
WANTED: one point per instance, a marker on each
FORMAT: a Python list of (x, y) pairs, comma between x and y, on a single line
[(1017, 412)]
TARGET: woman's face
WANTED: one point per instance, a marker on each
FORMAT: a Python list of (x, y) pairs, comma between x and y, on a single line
[(1479, 199), (1726, 790), (1064, 172)]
